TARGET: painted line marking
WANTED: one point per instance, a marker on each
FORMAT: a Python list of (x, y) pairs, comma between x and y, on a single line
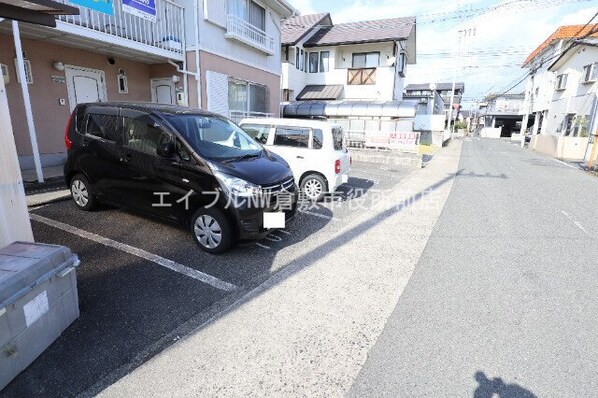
[(264, 246), (577, 223), (164, 262), (565, 163), (311, 213), (283, 231)]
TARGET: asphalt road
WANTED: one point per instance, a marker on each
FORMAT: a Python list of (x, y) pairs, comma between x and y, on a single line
[(503, 300), (132, 308)]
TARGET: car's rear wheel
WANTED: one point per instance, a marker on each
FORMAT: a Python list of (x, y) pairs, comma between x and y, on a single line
[(82, 193), (314, 187), (212, 230)]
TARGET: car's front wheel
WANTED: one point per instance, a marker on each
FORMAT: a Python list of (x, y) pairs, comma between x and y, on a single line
[(212, 230), (82, 193)]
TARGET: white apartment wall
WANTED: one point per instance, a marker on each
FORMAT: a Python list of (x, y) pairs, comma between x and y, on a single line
[(539, 90), (212, 31), (578, 97)]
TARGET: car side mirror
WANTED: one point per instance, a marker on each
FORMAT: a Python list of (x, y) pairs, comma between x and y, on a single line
[(166, 150)]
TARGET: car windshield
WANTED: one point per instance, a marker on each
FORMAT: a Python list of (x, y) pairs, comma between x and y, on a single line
[(214, 137)]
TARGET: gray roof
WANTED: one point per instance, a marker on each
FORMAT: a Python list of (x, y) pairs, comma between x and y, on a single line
[(346, 108), (363, 32), (439, 86), (295, 28), (321, 92)]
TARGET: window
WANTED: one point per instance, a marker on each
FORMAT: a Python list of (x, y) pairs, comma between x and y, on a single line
[(258, 132), (247, 97), (305, 62), (297, 58), (590, 73), (317, 139), (366, 60), (561, 82), (301, 61), (248, 11), (144, 134), (293, 137), (313, 62), (28, 72), (102, 126), (337, 138), (324, 61), (567, 124), (123, 86)]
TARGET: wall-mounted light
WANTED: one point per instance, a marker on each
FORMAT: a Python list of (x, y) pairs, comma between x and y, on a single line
[(59, 66), (176, 79)]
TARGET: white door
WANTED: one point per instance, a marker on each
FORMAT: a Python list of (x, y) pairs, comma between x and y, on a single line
[(84, 85), (163, 91)]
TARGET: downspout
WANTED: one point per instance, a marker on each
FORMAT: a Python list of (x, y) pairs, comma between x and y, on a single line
[(27, 101), (197, 68)]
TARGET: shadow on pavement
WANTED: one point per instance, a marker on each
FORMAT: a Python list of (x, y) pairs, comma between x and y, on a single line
[(496, 387)]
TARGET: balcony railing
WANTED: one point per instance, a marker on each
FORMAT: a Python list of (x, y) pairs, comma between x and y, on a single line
[(241, 30), (237, 116), (361, 76), (167, 33)]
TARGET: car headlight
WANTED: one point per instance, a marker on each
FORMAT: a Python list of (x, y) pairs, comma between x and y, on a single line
[(237, 186)]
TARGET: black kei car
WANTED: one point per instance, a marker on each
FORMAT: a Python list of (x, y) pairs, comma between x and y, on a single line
[(178, 164)]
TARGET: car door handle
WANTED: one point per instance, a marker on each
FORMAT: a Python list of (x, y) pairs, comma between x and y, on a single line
[(300, 157), (127, 158)]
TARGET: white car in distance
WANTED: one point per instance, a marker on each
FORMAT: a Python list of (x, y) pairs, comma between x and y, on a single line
[(314, 149)]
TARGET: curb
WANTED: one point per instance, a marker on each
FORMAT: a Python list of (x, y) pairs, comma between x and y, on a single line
[(48, 198)]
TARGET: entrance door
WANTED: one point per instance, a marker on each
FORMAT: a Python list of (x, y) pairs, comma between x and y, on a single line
[(163, 91), (84, 85)]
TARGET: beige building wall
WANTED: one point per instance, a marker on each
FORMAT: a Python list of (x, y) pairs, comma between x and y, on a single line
[(211, 62), (50, 117)]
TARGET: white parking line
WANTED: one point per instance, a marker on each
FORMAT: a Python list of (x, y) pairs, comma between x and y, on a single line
[(164, 262), (577, 223), (566, 164)]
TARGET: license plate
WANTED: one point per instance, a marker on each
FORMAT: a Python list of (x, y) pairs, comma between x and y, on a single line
[(274, 220)]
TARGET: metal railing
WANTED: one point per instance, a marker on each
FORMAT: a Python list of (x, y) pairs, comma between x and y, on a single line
[(239, 29), (237, 116), (166, 33)]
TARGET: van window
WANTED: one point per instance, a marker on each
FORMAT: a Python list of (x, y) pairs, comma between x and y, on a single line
[(258, 132), (291, 136), (144, 134), (318, 139), (337, 138), (102, 126)]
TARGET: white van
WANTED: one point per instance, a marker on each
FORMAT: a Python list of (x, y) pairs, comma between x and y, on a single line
[(314, 149)]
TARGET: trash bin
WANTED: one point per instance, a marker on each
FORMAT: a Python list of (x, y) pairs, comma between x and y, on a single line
[(38, 301)]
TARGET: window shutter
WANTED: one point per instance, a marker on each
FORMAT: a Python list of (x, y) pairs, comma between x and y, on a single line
[(217, 93), (215, 12)]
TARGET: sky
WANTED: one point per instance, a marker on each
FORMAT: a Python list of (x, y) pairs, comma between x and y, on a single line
[(491, 45)]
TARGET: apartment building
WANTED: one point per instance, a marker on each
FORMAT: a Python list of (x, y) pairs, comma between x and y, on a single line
[(220, 55)]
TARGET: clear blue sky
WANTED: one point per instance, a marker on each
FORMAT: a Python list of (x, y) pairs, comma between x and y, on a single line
[(491, 54)]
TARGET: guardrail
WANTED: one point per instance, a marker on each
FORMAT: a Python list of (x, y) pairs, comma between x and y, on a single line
[(166, 33), (239, 29)]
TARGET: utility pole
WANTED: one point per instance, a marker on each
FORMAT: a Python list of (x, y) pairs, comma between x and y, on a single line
[(465, 32)]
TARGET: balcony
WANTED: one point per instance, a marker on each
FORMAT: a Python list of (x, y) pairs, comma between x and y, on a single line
[(361, 76), (163, 38), (241, 30)]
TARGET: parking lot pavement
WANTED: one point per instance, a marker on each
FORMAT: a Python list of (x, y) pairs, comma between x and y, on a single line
[(143, 283)]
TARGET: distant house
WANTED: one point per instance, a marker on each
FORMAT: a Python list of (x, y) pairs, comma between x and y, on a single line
[(354, 61), (541, 84), (502, 111), (445, 90)]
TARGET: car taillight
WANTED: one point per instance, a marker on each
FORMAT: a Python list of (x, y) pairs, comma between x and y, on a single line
[(337, 166), (67, 142)]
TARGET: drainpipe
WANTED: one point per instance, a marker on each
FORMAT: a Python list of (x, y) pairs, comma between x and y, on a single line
[(27, 101), (197, 68)]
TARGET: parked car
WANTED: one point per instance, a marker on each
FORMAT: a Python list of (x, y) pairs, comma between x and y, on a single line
[(315, 150), (178, 164)]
